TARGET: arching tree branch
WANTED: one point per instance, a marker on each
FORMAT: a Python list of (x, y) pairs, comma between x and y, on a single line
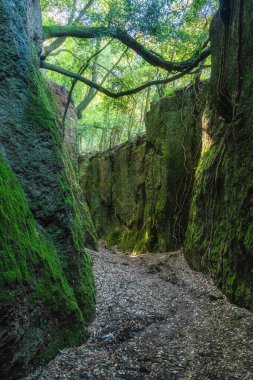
[(65, 51), (114, 95), (73, 19), (92, 92), (74, 82), (126, 39)]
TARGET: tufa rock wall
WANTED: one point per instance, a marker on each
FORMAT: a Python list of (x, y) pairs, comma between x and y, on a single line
[(38, 310), (139, 192), (46, 287), (219, 238), (70, 148)]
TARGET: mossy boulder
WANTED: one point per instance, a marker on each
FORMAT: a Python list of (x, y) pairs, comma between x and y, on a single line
[(139, 192), (219, 238)]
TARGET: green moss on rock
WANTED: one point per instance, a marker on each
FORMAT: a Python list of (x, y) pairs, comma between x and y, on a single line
[(47, 286), (69, 238), (43, 263), (219, 235), (139, 192), (30, 270)]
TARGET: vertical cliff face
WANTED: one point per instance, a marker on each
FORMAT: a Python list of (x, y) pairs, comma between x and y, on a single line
[(139, 192), (47, 288), (70, 157), (39, 312), (220, 233)]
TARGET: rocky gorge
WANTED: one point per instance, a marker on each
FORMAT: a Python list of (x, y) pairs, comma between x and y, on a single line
[(186, 182)]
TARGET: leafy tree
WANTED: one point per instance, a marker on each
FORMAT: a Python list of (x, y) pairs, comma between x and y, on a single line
[(121, 48)]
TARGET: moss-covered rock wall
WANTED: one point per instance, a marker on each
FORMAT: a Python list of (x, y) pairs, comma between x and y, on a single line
[(47, 287), (70, 157), (38, 309), (139, 193), (220, 234)]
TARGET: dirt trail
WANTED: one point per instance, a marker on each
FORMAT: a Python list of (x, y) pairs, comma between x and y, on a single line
[(157, 319)]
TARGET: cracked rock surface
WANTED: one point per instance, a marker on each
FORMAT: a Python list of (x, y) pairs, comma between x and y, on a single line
[(159, 320)]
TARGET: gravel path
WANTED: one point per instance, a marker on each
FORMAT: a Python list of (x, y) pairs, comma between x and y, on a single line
[(157, 319)]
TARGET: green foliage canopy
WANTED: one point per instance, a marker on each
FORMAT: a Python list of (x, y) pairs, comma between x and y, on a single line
[(174, 29)]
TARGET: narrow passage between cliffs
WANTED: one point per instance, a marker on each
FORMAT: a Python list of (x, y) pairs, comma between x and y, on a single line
[(157, 319)]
